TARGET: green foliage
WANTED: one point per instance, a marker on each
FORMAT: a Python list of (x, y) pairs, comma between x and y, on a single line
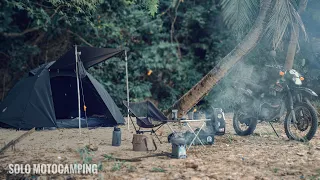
[(117, 166), (177, 41), (34, 32), (131, 168), (152, 5), (284, 15), (108, 157), (275, 170), (86, 155), (239, 15), (157, 169), (176, 66)]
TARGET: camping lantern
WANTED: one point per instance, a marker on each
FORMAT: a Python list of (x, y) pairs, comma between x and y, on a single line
[(174, 114)]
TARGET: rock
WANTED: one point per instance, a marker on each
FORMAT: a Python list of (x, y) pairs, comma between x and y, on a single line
[(205, 178), (300, 154), (213, 176), (202, 168), (191, 164), (70, 178), (92, 147), (195, 178), (176, 176), (310, 152), (318, 148)]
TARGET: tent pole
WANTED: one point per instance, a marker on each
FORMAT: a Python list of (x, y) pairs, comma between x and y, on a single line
[(78, 87), (127, 82)]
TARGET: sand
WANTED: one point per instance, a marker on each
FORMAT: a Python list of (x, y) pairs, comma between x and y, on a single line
[(259, 156)]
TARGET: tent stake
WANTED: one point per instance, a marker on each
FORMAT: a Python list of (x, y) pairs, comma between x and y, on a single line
[(78, 86), (127, 82)]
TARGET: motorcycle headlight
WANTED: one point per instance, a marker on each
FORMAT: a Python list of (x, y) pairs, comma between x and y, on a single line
[(292, 71), (219, 116), (297, 81)]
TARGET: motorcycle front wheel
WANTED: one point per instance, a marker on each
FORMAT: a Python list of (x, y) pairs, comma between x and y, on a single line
[(244, 126), (306, 124)]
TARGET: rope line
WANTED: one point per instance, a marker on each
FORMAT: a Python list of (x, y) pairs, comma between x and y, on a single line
[(84, 103)]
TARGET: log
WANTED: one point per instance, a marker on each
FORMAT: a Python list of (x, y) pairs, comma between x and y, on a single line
[(13, 142)]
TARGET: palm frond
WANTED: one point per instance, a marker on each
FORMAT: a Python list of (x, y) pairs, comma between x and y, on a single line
[(283, 16), (239, 15), (297, 19)]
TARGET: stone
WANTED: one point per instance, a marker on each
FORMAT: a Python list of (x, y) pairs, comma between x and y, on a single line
[(195, 178), (191, 164), (176, 176), (92, 147), (213, 176), (300, 154)]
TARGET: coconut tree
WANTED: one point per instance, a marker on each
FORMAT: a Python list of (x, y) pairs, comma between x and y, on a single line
[(295, 35), (269, 18)]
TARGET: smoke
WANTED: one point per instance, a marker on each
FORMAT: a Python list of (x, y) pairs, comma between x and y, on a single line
[(226, 94)]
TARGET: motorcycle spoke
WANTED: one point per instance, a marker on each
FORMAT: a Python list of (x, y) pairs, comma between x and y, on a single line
[(302, 126), (244, 125)]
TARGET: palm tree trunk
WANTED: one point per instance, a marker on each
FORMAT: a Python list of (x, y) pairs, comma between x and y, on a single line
[(294, 38), (196, 93)]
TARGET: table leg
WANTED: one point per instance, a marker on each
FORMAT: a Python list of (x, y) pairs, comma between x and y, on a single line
[(196, 135), (170, 128)]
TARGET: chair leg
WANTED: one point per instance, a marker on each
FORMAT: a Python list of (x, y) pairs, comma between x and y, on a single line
[(134, 126), (153, 132)]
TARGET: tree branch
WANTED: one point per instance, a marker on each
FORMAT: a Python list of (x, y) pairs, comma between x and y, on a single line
[(41, 35), (174, 21), (5, 54), (31, 29), (22, 33), (83, 40), (56, 11)]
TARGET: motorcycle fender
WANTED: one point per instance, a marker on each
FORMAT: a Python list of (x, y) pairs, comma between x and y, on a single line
[(309, 91)]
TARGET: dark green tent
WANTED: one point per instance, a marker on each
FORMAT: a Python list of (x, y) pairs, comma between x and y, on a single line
[(48, 96)]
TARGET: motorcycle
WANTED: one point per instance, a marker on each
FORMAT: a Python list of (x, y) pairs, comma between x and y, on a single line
[(286, 97)]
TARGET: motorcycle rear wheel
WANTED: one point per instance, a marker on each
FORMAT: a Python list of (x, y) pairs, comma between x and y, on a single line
[(249, 123), (306, 120)]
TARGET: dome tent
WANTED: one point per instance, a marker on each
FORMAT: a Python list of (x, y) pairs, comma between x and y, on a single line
[(48, 96)]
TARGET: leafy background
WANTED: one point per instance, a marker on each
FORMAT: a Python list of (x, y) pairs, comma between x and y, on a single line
[(178, 41)]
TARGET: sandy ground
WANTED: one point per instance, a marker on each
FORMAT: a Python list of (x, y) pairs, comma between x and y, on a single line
[(260, 156)]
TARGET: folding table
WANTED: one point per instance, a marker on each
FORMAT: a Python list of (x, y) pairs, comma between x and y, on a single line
[(188, 121)]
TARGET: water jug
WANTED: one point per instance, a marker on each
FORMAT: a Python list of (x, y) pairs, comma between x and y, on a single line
[(116, 137), (179, 148)]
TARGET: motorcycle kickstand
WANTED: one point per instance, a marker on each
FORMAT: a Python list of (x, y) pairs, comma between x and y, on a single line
[(273, 129)]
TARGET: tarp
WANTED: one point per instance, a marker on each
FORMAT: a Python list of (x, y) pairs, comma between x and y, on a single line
[(89, 56)]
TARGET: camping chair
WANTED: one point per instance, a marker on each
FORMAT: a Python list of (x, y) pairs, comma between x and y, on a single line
[(147, 116)]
